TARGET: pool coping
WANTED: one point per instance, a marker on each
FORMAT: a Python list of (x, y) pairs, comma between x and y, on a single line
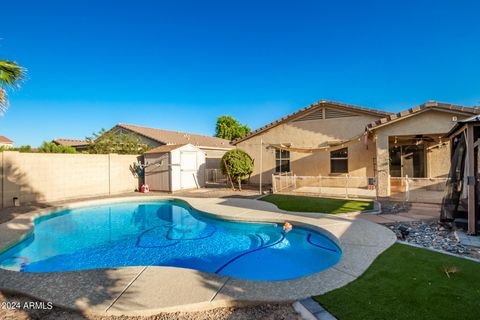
[(151, 289)]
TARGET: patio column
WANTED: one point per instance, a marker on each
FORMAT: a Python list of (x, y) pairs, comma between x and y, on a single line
[(470, 172), (383, 165)]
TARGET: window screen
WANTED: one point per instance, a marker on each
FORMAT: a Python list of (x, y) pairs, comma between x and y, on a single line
[(339, 161)]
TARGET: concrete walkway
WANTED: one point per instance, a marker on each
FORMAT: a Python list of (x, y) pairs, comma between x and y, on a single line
[(417, 212), (147, 290)]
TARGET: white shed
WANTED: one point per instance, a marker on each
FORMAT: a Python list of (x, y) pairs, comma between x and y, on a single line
[(175, 167)]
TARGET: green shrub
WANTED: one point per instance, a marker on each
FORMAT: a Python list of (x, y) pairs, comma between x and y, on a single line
[(24, 148), (51, 147), (238, 165)]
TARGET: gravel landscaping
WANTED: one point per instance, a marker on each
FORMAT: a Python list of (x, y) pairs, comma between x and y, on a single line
[(435, 236), (394, 207)]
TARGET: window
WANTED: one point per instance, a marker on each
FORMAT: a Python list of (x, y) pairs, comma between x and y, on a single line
[(282, 161), (339, 161)]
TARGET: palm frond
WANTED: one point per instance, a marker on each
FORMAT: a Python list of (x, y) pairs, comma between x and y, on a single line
[(11, 74)]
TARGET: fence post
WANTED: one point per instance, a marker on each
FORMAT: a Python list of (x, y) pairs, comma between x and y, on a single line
[(320, 183), (346, 185), (389, 181), (274, 184), (407, 189)]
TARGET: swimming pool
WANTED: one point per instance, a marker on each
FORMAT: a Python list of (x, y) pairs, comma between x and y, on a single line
[(168, 233)]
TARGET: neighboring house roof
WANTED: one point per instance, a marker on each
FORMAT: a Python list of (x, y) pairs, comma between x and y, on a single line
[(175, 137), (165, 148), (4, 139), (422, 108), (313, 106), (71, 142)]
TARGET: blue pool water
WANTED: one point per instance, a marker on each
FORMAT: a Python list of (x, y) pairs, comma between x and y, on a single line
[(168, 233)]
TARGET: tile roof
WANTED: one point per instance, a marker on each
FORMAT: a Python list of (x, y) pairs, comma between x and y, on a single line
[(175, 137), (421, 108), (318, 104), (4, 139), (71, 142), (165, 148)]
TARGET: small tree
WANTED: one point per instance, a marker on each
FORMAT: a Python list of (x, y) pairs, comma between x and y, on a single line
[(237, 164), (25, 148), (105, 142), (229, 128), (51, 147)]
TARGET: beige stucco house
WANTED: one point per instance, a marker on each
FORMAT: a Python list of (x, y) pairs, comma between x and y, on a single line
[(333, 139)]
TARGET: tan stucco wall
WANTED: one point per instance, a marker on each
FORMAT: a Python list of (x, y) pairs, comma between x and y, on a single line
[(430, 122), (311, 134), (438, 162), (44, 177)]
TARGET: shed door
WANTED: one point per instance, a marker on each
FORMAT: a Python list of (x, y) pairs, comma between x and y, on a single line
[(157, 174), (188, 169)]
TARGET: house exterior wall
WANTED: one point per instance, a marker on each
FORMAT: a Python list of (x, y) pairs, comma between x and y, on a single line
[(46, 177), (152, 143), (213, 157), (438, 162), (429, 122), (362, 155), (311, 134)]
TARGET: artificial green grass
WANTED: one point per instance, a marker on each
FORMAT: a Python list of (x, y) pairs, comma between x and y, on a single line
[(409, 283), (315, 204)]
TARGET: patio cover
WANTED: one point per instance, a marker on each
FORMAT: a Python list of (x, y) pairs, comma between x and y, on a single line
[(331, 146)]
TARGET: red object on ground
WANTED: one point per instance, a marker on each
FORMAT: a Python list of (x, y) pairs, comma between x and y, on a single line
[(144, 188)]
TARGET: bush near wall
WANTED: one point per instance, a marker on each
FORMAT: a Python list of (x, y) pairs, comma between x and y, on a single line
[(237, 164)]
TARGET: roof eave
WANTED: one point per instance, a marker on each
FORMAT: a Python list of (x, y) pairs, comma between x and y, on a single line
[(420, 109)]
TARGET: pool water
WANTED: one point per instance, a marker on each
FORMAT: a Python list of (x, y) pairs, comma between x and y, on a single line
[(168, 233)]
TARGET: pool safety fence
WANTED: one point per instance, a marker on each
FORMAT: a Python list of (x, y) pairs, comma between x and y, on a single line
[(345, 186), (408, 189)]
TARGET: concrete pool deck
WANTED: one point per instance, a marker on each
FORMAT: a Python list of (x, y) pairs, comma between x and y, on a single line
[(148, 290)]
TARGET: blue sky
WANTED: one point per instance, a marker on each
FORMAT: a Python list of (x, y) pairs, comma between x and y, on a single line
[(180, 64)]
